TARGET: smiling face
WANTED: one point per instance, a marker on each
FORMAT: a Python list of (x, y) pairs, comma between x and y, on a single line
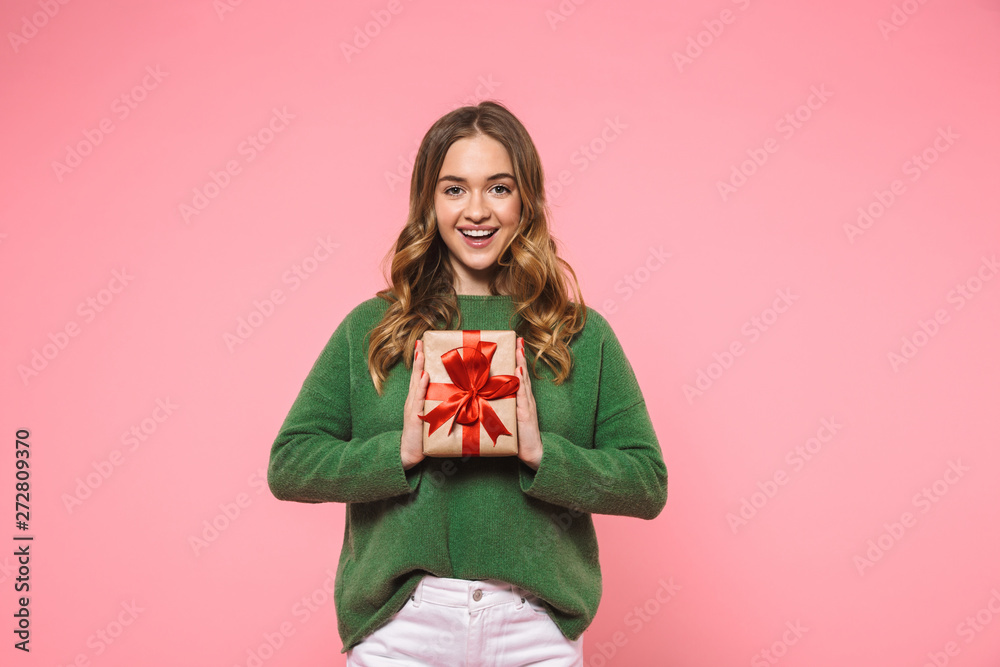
[(478, 207)]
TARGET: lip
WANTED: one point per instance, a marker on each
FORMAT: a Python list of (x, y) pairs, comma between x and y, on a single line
[(473, 243)]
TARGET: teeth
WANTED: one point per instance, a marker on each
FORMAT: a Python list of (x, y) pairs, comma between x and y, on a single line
[(477, 232)]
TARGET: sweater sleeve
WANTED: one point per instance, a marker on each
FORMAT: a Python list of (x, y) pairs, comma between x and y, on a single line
[(624, 472), (315, 458)]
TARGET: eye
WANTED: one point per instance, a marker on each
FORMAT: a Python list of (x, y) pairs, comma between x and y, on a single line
[(502, 189), (453, 190)]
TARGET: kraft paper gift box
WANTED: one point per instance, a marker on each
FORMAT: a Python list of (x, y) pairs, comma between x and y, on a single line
[(470, 407)]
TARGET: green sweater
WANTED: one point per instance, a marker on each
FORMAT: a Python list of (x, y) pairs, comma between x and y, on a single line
[(469, 518)]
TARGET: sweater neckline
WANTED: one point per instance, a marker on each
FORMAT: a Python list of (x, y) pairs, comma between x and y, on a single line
[(484, 297)]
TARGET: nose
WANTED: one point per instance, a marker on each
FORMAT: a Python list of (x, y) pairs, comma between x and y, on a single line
[(478, 208)]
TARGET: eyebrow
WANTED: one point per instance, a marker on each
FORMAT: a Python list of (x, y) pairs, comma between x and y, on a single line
[(458, 179)]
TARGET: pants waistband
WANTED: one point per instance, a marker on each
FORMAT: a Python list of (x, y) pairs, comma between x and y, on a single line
[(473, 594)]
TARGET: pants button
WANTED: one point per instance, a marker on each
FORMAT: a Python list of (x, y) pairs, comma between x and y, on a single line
[(477, 595)]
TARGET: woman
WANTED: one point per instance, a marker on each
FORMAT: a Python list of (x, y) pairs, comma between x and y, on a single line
[(490, 561)]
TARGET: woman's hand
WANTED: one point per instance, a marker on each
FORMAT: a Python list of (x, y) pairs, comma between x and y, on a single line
[(411, 446), (529, 442)]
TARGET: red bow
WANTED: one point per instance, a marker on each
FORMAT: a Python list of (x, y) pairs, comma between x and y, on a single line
[(467, 398)]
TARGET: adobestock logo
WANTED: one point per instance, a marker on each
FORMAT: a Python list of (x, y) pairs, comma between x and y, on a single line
[(753, 329), (586, 154), (588, 492), (899, 17), (38, 20), (914, 167), (484, 90), (88, 310), (223, 7), (786, 126), (404, 168), (105, 468), (779, 648), (7, 569), (370, 30), (969, 628), (633, 281), (925, 500), (252, 146), (121, 108), (713, 29), (796, 458), (303, 609), (635, 620), (563, 11), (264, 309), (228, 513), (104, 637), (927, 329)]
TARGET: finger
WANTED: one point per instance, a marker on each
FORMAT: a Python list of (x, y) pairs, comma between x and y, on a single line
[(422, 384), (519, 358), (414, 372), (525, 375), (418, 364), (415, 394)]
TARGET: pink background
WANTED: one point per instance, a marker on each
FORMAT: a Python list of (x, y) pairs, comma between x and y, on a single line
[(709, 590)]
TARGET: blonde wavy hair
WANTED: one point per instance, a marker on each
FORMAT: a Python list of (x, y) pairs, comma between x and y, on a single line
[(421, 292)]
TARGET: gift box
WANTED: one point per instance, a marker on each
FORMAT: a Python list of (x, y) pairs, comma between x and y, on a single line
[(470, 407)]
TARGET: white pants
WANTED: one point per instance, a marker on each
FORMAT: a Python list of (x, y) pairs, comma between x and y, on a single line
[(460, 623)]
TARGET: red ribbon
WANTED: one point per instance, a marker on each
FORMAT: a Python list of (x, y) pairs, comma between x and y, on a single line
[(466, 400)]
